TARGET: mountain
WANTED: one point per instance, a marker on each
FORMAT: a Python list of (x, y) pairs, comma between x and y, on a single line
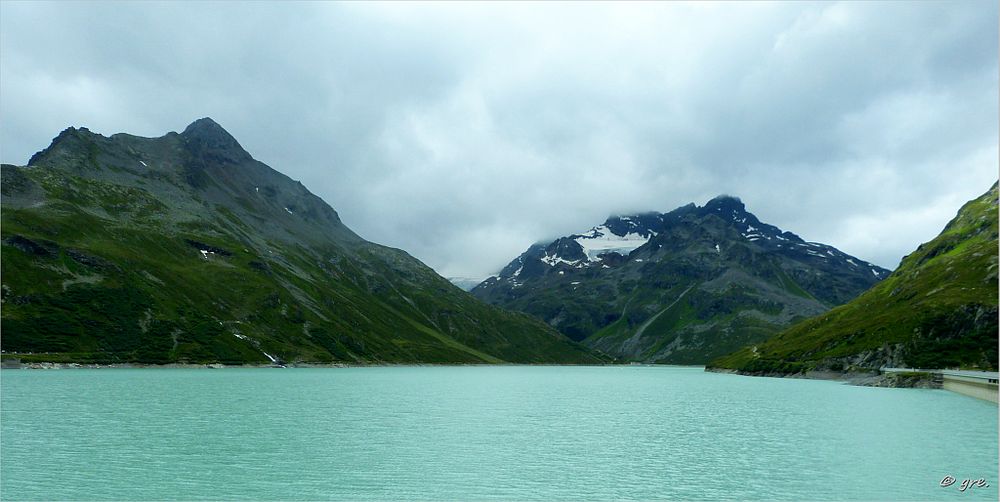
[(679, 287), (183, 248), (937, 310)]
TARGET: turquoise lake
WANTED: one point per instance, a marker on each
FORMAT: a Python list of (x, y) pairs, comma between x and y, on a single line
[(500, 432)]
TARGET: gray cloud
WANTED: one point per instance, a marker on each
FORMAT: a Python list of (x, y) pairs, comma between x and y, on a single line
[(465, 132)]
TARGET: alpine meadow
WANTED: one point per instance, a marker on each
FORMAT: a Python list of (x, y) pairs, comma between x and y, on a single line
[(499, 251)]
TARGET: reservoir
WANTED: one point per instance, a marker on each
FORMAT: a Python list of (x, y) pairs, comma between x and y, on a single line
[(484, 433)]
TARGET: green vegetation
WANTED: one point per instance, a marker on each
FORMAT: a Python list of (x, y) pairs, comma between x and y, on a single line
[(105, 265), (937, 310)]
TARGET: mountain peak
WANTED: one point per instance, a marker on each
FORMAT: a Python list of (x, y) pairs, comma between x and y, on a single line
[(204, 125), (207, 139), (719, 276), (195, 210), (71, 141)]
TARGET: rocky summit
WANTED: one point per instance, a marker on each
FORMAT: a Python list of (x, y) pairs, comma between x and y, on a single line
[(679, 287), (183, 248)]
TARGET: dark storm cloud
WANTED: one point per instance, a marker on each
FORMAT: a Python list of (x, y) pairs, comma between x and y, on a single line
[(464, 132)]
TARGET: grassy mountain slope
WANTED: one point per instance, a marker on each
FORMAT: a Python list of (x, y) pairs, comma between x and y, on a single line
[(184, 248), (937, 310)]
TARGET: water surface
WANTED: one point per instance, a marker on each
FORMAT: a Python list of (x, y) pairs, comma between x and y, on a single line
[(565, 433)]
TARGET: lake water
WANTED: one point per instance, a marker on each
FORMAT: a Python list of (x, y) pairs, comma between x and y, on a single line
[(564, 433)]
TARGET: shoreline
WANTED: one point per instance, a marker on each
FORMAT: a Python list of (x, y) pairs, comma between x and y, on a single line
[(61, 366), (859, 379)]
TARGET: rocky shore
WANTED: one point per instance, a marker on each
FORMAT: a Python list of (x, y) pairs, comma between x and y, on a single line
[(914, 380)]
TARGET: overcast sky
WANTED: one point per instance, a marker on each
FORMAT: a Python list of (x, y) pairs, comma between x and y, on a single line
[(463, 133)]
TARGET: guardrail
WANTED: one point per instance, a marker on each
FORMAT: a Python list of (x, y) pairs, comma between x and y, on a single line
[(978, 384)]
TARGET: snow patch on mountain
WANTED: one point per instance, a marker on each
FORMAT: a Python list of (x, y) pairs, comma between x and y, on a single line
[(553, 260), (601, 240)]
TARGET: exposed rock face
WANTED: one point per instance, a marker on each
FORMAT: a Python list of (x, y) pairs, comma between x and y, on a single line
[(679, 287), (210, 144)]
